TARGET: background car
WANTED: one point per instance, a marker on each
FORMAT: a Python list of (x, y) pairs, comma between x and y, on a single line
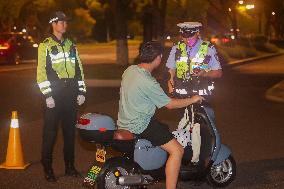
[(17, 47)]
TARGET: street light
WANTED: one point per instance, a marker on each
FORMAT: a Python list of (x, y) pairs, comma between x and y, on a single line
[(250, 6)]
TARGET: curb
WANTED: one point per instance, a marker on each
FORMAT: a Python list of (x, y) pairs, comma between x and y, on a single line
[(276, 93), (248, 60)]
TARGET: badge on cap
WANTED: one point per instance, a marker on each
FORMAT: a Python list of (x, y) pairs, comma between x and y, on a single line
[(58, 16), (189, 25)]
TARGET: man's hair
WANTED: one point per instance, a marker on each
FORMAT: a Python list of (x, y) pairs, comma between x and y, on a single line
[(149, 51)]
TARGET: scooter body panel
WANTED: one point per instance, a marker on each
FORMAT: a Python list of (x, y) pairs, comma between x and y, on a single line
[(223, 154), (149, 157)]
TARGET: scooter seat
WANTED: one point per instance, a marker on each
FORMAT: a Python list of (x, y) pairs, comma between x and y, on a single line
[(122, 134)]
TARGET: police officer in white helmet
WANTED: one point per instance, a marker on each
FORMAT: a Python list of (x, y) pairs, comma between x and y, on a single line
[(191, 56)]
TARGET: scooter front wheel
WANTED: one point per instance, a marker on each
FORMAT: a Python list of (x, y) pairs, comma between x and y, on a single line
[(223, 174)]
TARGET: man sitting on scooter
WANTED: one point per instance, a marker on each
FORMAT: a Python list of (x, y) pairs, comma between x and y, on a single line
[(140, 95)]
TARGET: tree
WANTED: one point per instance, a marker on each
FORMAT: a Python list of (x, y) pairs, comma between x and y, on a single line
[(121, 30), (9, 13)]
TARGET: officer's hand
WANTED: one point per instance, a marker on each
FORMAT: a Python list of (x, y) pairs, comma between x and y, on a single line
[(201, 73), (80, 99), (197, 98), (50, 102)]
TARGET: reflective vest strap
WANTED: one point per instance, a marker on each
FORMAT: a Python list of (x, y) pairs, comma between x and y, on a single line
[(202, 50), (182, 48)]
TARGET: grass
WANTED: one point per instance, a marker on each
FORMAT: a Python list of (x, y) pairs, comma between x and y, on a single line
[(103, 71), (94, 45)]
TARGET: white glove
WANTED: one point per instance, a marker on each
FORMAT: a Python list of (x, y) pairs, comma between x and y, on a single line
[(50, 102), (80, 100)]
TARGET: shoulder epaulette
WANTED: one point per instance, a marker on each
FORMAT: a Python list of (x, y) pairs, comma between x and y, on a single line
[(46, 40)]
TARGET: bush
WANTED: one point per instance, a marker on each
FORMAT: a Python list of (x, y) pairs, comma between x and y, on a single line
[(261, 43), (223, 56), (278, 43), (268, 47), (238, 52), (246, 42)]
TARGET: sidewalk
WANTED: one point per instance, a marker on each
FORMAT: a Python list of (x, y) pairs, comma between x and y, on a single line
[(275, 93)]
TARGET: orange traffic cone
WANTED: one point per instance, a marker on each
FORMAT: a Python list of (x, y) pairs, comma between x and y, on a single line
[(14, 157)]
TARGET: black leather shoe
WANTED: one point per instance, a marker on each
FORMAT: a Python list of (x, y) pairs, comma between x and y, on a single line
[(71, 171), (48, 171), (49, 175)]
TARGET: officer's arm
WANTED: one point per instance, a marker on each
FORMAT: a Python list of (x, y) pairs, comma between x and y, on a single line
[(81, 81), (172, 73), (211, 74), (42, 81), (172, 68), (180, 103), (215, 70)]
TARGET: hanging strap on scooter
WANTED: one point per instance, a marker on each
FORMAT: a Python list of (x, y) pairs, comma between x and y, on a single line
[(184, 122), (195, 138)]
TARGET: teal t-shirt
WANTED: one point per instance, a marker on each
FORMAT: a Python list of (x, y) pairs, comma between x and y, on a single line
[(140, 95)]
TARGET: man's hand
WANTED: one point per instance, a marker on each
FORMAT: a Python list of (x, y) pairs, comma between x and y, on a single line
[(50, 102), (80, 100), (197, 98), (210, 74)]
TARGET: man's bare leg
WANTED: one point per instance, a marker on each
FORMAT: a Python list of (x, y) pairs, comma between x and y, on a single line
[(175, 151)]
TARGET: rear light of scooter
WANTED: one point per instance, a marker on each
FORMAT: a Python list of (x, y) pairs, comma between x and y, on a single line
[(102, 129), (4, 46), (83, 121)]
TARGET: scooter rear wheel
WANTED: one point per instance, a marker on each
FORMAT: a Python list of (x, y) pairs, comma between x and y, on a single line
[(109, 179), (223, 174)]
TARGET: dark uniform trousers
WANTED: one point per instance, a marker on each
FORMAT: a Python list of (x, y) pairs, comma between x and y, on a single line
[(64, 113)]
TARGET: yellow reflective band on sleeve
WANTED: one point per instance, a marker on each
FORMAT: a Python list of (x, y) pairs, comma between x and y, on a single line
[(82, 89), (48, 90), (80, 83), (44, 84), (183, 59)]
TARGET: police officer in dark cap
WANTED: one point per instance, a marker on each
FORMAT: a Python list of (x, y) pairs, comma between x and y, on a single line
[(60, 79)]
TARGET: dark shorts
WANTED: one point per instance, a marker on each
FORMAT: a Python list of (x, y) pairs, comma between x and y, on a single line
[(157, 133)]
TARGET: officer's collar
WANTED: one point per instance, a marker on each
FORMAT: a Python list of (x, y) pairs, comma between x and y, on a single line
[(197, 42), (57, 40)]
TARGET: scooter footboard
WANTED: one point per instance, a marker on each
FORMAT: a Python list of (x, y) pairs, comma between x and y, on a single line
[(223, 154)]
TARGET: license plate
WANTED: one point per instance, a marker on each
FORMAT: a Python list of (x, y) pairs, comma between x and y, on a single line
[(101, 155)]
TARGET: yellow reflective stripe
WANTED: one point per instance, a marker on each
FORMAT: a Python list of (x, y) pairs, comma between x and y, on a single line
[(183, 59), (48, 90), (81, 83), (82, 89), (197, 59), (44, 84), (57, 61), (59, 55)]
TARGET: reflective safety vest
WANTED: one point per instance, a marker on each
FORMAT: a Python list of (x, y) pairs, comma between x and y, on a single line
[(58, 61), (185, 66)]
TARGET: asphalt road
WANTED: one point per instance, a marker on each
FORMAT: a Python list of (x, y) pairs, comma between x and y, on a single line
[(250, 124)]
